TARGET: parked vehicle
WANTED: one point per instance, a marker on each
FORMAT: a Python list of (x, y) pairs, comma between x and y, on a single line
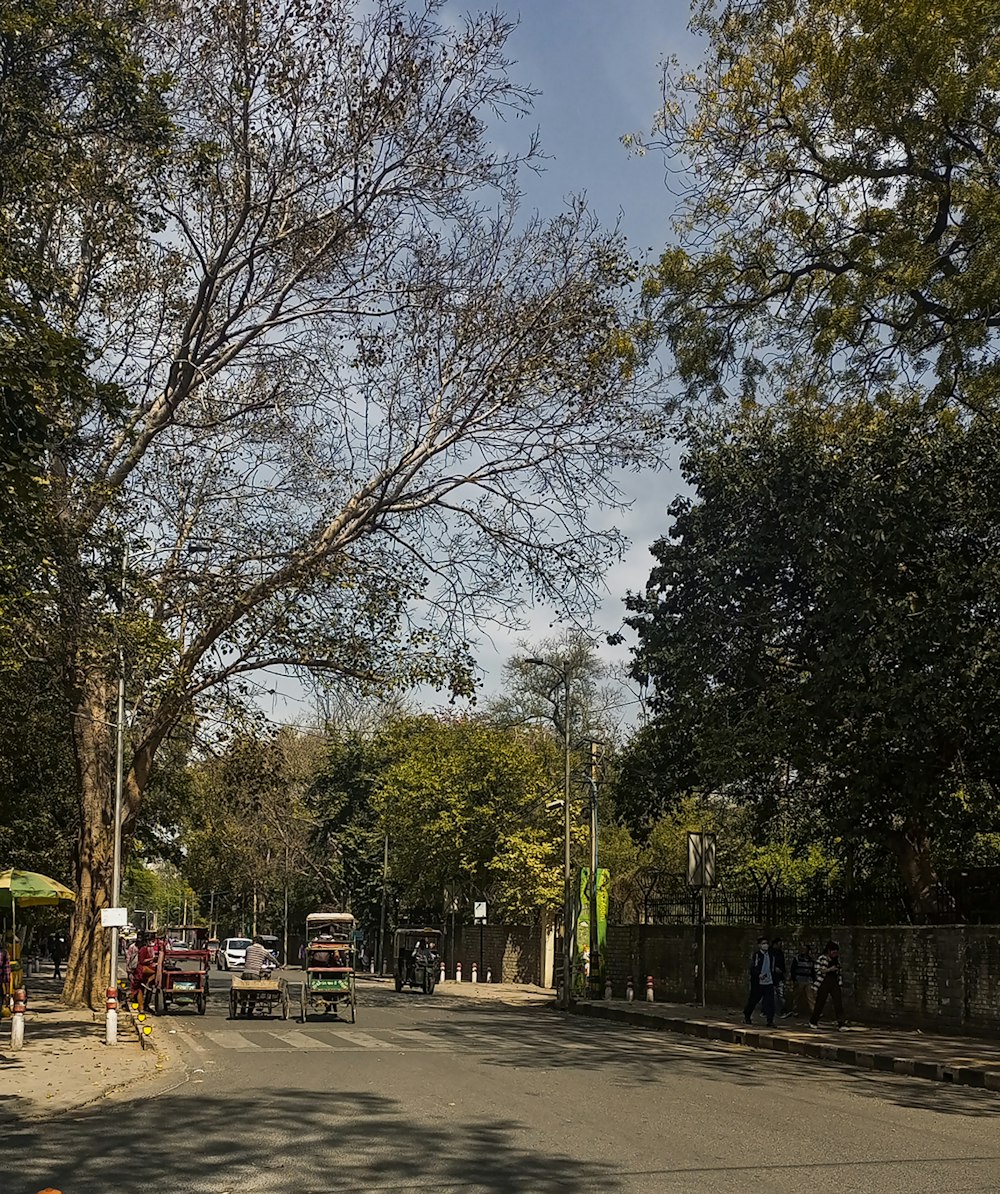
[(417, 954), (273, 946), (232, 953), (329, 964)]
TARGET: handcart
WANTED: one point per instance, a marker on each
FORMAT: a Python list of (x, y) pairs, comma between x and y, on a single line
[(266, 996)]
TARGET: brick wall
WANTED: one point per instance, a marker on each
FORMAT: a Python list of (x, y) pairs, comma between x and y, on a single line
[(513, 953), (945, 977)]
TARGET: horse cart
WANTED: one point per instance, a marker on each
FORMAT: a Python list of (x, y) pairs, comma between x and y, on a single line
[(263, 996), (328, 981)]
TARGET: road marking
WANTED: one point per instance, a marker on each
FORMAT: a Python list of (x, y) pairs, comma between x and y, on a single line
[(189, 1038), (301, 1040), (359, 1040), (422, 1040), (231, 1040)]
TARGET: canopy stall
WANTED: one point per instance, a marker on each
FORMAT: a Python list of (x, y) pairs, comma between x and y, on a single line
[(29, 889)]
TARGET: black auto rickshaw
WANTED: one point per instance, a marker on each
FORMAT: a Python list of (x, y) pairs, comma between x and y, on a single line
[(417, 958)]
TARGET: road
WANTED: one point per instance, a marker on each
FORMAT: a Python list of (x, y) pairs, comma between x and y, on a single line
[(455, 1095)]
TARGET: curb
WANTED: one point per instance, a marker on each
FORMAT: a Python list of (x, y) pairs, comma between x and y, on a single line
[(865, 1059)]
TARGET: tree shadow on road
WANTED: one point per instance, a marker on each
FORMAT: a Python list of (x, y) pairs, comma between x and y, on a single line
[(281, 1140), (649, 1056)]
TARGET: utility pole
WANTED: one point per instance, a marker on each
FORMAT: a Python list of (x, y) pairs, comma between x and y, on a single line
[(111, 1027), (596, 983), (381, 923)]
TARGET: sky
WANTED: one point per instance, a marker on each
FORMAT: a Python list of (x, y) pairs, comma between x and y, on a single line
[(597, 68)]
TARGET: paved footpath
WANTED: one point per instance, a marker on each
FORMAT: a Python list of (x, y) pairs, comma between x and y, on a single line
[(961, 1060), (65, 1063)]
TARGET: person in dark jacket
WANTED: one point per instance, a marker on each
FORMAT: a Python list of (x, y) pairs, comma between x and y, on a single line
[(827, 985), (778, 960), (761, 984)]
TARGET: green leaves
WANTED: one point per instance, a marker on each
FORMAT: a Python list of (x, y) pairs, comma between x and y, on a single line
[(840, 223), (824, 614)]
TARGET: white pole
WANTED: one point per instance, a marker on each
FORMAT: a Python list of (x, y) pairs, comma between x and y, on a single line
[(111, 1027)]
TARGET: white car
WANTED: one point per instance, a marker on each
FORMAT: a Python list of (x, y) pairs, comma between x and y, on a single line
[(232, 953)]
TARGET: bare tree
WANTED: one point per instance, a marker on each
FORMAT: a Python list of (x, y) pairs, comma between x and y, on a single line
[(370, 402)]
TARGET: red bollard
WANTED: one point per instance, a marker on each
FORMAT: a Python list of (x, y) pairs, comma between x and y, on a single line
[(649, 989), (111, 1016)]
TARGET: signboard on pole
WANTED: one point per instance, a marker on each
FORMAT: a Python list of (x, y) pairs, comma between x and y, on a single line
[(479, 912), (114, 918), (701, 859), (587, 964)]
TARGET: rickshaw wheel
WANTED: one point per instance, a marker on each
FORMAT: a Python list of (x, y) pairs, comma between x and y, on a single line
[(201, 1004), (399, 983), (159, 1002), (302, 1008), (284, 1005), (353, 1014)]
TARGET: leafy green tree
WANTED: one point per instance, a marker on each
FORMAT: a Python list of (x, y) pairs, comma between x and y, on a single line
[(464, 806), (838, 230), (823, 614)]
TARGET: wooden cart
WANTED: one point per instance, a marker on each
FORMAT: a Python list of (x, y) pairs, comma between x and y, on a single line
[(268, 996)]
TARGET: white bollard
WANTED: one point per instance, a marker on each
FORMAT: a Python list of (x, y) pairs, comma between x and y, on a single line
[(489, 974), (629, 991), (441, 979), (607, 989), (475, 972), (111, 1017), (458, 972), (17, 1020)]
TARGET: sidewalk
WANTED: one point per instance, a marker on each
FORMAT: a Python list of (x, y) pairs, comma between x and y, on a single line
[(518, 994), (65, 1063), (963, 1061)]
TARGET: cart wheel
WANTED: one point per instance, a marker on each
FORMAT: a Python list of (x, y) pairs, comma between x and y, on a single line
[(159, 1002), (232, 1005), (302, 1008), (353, 1013), (284, 1005), (201, 1003), (399, 983)]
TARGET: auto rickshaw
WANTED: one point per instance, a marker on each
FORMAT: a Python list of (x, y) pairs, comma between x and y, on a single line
[(329, 964), (417, 954)]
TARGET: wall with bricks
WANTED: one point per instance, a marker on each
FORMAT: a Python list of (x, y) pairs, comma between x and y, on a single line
[(512, 953), (944, 977)]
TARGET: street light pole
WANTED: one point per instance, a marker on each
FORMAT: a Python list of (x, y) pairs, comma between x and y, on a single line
[(111, 1027), (596, 990), (568, 902)]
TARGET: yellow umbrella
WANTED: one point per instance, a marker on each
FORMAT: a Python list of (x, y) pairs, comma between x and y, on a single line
[(30, 889)]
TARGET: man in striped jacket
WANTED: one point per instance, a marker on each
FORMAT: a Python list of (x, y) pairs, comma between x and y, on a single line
[(827, 985)]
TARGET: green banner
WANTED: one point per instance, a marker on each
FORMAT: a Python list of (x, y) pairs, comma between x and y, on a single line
[(586, 972)]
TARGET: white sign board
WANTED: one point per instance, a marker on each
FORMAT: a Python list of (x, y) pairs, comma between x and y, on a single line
[(701, 859), (479, 910), (114, 918)]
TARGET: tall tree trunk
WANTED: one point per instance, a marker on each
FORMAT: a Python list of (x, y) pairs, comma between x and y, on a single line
[(929, 898), (88, 966)]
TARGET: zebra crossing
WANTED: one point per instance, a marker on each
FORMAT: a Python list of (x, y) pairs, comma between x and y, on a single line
[(319, 1038)]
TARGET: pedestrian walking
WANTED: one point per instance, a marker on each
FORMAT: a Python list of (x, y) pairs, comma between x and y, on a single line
[(761, 984), (803, 976), (58, 954), (778, 961), (827, 985)]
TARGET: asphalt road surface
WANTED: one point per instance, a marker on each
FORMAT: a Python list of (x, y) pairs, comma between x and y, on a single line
[(449, 1094)]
